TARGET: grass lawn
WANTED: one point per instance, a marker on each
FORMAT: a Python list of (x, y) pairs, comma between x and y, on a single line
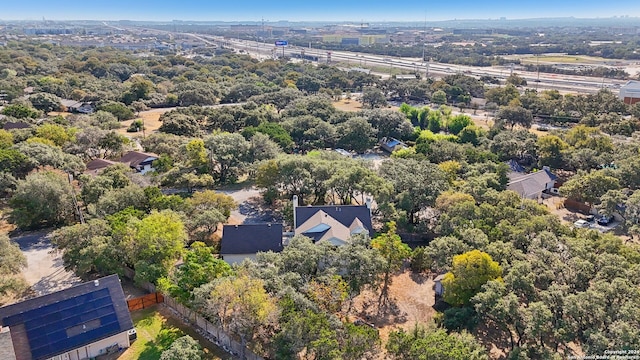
[(157, 330), (562, 59)]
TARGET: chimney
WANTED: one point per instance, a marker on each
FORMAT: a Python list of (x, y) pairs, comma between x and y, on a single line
[(368, 203), (295, 205), (96, 282)]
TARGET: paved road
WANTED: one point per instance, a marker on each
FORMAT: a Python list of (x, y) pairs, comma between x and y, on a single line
[(45, 271)]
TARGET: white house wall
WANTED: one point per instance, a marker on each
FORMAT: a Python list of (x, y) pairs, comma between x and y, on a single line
[(238, 258), (94, 349)]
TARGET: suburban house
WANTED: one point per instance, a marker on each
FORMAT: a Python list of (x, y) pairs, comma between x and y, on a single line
[(333, 223), (80, 322), (139, 161), (16, 125), (241, 242), (80, 107), (96, 165), (391, 144), (531, 186)]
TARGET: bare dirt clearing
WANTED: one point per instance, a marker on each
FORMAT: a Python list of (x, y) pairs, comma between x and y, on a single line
[(413, 298), (151, 119)]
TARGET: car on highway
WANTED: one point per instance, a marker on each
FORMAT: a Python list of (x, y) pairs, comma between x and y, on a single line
[(581, 224)]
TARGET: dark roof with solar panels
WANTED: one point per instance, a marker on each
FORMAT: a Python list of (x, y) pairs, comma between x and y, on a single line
[(65, 320)]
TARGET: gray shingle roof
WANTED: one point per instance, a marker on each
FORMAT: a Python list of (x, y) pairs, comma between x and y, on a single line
[(251, 238), (344, 214)]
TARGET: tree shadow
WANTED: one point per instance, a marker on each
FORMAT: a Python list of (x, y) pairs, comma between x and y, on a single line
[(167, 335), (387, 315), (256, 211), (419, 278)]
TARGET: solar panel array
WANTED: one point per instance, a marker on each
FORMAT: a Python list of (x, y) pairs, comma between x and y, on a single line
[(47, 326)]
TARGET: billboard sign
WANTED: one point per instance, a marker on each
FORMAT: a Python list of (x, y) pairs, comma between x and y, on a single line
[(282, 43)]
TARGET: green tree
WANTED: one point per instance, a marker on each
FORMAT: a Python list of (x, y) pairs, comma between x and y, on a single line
[(154, 243), (88, 249), (515, 115), (197, 155), (12, 261), (429, 343), (200, 266), (357, 134), (589, 187), (439, 97), (416, 184), (184, 348), (242, 306), (516, 80), (458, 122), (469, 272), (56, 133), (6, 139), (394, 252), (229, 156), (373, 97), (550, 148), (42, 199), (118, 109), (20, 111), (210, 200), (46, 102)]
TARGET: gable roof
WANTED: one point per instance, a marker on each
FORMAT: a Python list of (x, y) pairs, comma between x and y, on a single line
[(532, 183), (344, 214), (97, 164), (251, 238), (65, 320), (135, 158), (16, 125)]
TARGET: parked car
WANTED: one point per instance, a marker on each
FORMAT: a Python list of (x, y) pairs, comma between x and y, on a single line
[(581, 224), (590, 218), (605, 220)]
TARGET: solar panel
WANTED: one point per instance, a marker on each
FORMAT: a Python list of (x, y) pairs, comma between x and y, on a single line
[(47, 327)]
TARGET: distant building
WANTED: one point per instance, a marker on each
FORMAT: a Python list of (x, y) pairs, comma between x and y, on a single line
[(16, 125), (391, 144), (78, 106), (96, 166), (240, 242), (531, 186), (141, 162), (81, 322), (630, 92)]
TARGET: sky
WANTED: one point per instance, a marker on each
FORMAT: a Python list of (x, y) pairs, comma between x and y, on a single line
[(315, 10)]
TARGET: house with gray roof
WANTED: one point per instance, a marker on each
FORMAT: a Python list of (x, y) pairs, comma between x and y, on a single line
[(80, 322), (333, 223), (240, 242), (532, 185)]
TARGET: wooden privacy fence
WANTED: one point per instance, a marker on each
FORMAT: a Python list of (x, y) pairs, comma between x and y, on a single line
[(209, 330), (142, 302)]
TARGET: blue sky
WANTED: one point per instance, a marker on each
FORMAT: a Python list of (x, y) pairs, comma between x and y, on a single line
[(338, 10)]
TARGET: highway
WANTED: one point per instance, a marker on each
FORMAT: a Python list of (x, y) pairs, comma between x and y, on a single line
[(568, 83)]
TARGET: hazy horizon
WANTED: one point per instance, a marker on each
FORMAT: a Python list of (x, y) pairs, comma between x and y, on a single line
[(328, 10)]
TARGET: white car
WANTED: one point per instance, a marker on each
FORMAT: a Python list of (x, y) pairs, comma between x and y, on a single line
[(581, 224)]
